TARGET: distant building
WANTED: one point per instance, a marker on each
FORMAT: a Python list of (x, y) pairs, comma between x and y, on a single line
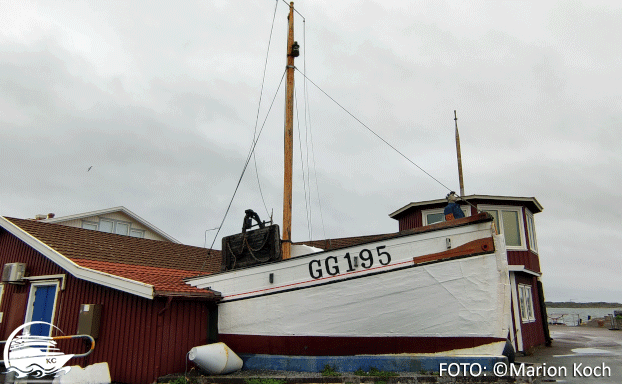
[(514, 218), (118, 220)]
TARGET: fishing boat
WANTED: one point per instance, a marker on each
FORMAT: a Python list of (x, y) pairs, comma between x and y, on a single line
[(438, 289)]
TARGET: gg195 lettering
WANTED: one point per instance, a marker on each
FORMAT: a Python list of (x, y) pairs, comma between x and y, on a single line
[(333, 265)]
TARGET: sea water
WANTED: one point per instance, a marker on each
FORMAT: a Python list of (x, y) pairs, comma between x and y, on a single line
[(572, 315)]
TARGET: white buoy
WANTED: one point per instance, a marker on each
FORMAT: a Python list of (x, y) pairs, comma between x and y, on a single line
[(215, 358)]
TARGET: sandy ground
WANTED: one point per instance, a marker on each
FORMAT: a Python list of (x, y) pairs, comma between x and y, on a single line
[(589, 355)]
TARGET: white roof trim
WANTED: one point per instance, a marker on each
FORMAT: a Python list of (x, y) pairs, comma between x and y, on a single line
[(521, 268), (112, 281), (470, 197), (113, 210)]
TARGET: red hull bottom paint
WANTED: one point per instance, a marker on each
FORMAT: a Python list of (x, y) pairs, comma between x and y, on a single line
[(346, 346)]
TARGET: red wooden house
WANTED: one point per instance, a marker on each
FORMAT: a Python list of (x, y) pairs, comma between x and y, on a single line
[(148, 317), (514, 218)]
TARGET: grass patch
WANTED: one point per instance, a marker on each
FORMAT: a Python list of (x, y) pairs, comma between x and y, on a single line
[(264, 381), (329, 371), (376, 373)]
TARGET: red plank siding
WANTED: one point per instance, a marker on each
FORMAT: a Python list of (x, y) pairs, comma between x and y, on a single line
[(529, 259), (140, 339), (413, 219), (533, 334)]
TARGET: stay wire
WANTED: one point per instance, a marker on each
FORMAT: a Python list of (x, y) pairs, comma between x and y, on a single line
[(307, 127), (248, 159), (374, 133), (263, 79), (302, 165), (308, 114)]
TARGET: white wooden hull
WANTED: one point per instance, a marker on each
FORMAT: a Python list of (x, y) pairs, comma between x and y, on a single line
[(449, 303)]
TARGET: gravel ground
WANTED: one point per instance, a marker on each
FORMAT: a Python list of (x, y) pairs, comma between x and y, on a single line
[(242, 377)]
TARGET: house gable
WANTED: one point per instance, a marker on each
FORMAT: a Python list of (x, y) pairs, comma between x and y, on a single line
[(119, 220)]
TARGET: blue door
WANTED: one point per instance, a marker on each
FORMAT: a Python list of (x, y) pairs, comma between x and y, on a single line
[(43, 306)]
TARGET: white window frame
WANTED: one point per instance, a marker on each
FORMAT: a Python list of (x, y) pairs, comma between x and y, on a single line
[(99, 226), (96, 225), (114, 223), (31, 300), (138, 231), (1, 295), (525, 297), (129, 227), (521, 222), (425, 213), (531, 231)]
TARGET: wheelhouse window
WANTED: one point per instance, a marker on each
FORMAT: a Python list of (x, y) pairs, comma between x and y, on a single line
[(511, 230), (531, 232), (432, 216), (526, 303), (509, 223)]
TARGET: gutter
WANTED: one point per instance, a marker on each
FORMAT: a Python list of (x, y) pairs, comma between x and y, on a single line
[(207, 296)]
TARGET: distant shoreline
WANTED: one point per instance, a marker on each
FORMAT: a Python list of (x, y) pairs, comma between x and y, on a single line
[(572, 304)]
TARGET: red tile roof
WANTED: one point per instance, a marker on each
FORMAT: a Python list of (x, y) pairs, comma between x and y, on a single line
[(165, 281), (158, 263)]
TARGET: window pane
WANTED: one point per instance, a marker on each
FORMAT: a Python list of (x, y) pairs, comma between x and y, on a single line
[(435, 218), (135, 233), (122, 228), (105, 226), (92, 226), (521, 299), (529, 300), (510, 228), (495, 214), (532, 233)]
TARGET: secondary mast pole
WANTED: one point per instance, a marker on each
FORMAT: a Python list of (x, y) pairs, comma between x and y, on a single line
[(459, 156), (289, 139)]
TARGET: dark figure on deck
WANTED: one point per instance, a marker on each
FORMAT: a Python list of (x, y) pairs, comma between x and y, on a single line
[(453, 210), (248, 220)]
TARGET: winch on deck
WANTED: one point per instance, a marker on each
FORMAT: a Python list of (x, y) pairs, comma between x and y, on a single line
[(251, 247)]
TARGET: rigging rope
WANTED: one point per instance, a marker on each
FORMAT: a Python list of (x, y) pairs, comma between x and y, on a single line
[(302, 166), (372, 131), (263, 79), (248, 159), (308, 115)]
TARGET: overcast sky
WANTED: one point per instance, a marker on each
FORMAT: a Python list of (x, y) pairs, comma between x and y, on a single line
[(161, 99)]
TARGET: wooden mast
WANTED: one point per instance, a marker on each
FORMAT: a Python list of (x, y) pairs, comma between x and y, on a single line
[(289, 140), (459, 156)]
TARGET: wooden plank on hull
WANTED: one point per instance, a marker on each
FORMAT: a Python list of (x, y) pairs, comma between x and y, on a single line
[(472, 248)]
